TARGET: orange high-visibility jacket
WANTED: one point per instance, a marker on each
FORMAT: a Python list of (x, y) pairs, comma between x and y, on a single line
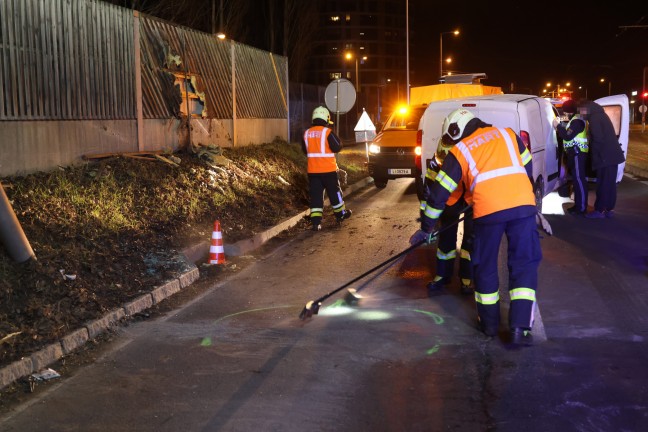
[(321, 158), (493, 171)]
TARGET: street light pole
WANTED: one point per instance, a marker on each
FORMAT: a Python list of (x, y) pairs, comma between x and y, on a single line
[(407, 48), (455, 32)]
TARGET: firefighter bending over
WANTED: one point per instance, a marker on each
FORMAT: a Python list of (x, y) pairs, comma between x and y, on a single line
[(495, 168)]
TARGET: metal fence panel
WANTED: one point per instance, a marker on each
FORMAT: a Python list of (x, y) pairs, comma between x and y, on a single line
[(66, 60)]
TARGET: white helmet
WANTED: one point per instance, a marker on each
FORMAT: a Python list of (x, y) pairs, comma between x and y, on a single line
[(455, 124), (323, 114)]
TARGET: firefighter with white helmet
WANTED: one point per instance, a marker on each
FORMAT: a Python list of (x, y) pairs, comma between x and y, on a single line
[(320, 145), (446, 252), (494, 166)]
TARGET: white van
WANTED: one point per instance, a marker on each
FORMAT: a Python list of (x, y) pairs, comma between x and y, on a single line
[(531, 118)]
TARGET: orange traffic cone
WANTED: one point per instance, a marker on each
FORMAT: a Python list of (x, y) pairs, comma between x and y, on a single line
[(216, 250)]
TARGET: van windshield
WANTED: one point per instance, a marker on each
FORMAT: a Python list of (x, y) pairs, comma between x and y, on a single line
[(408, 120)]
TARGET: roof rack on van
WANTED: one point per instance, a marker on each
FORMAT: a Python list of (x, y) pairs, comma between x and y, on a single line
[(472, 78)]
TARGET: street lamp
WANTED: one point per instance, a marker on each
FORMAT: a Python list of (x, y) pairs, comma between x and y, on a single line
[(454, 32), (609, 86), (220, 35), (350, 56)]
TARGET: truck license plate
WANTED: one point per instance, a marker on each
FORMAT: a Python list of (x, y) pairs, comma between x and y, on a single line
[(399, 171)]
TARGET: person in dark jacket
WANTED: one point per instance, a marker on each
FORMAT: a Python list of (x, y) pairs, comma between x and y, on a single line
[(320, 145), (575, 142), (606, 154)]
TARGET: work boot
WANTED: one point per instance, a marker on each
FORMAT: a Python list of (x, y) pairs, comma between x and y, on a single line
[(595, 214), (609, 214), (575, 211), (437, 284), (521, 337), (488, 330), (346, 214), (466, 287)]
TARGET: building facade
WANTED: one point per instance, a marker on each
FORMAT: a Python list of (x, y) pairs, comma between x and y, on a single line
[(365, 42)]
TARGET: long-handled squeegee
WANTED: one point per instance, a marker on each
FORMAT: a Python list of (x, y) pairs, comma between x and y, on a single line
[(312, 307)]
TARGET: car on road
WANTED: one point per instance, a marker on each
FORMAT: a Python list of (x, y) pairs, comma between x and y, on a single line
[(392, 153)]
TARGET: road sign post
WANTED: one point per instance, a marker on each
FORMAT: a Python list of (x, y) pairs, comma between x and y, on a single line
[(339, 96)]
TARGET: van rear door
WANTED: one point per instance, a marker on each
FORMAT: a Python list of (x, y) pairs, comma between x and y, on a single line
[(618, 109)]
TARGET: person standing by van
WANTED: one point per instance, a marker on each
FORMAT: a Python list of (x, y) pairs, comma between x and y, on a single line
[(446, 253), (495, 167), (575, 143), (320, 146), (606, 154)]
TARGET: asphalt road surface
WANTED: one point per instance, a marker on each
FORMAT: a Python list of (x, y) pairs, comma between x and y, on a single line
[(239, 359)]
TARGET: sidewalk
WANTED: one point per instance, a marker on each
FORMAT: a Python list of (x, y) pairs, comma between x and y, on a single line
[(637, 158)]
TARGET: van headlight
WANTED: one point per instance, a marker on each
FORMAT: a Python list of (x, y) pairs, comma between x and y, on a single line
[(374, 149)]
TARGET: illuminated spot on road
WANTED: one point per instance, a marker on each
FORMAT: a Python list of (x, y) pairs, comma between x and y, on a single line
[(436, 317), (207, 341), (434, 349), (374, 315), (251, 311)]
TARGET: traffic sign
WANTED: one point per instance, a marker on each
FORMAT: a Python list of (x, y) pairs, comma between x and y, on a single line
[(642, 109), (340, 96)]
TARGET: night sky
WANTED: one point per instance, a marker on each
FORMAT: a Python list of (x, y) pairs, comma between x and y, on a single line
[(530, 43)]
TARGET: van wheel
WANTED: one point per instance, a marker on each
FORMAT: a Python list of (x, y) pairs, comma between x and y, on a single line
[(380, 183), (538, 192)]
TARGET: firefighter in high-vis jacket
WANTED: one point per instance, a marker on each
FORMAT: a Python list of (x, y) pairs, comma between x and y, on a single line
[(446, 253), (320, 145), (494, 166), (575, 143)]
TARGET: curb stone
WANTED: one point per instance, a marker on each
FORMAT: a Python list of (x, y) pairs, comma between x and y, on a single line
[(79, 337)]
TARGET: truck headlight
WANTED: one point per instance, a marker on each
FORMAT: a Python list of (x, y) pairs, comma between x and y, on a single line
[(374, 149)]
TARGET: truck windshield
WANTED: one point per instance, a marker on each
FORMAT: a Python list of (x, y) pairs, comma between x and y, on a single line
[(405, 119)]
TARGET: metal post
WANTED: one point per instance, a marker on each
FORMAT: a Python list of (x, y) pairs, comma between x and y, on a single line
[(407, 48), (440, 55)]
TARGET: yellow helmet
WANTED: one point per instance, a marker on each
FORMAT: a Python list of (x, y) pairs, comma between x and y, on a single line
[(323, 114)]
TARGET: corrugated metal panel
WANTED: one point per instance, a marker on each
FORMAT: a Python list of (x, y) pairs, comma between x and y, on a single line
[(74, 59), (66, 59), (260, 77), (258, 93)]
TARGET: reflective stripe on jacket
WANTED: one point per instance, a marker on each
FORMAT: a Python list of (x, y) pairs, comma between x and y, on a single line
[(579, 140), (493, 171), (321, 158)]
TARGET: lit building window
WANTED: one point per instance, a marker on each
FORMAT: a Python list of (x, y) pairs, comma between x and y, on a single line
[(348, 75), (335, 75), (335, 18), (348, 17)]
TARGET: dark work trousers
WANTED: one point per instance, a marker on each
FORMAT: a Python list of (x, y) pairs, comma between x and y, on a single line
[(447, 247), (524, 257), (317, 184), (606, 188), (577, 161)]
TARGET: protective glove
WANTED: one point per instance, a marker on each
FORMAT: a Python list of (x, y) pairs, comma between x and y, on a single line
[(422, 236), (555, 122)]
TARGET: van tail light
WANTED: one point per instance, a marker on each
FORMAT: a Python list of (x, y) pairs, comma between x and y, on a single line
[(417, 161), (526, 139), (419, 137)]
